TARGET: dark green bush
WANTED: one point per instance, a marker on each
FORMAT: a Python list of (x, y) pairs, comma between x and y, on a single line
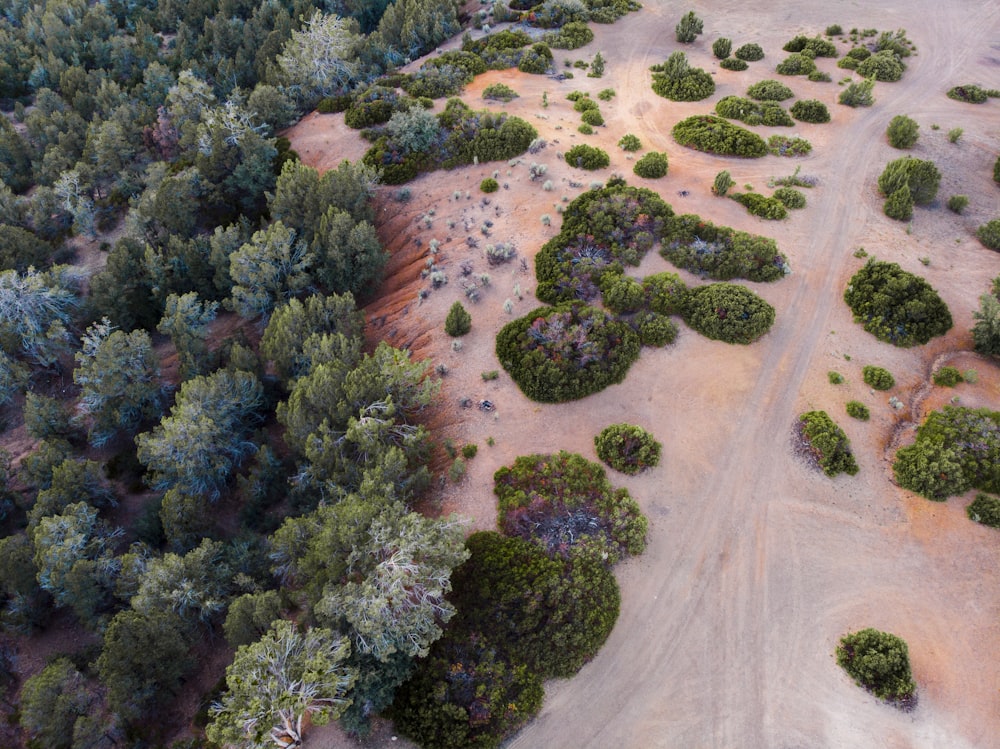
[(989, 234), (500, 92), (563, 502), (458, 322), (665, 293), (835, 378), (985, 509), (761, 205), (622, 294), (733, 63), (826, 443), (947, 377), (782, 145), (728, 312), (750, 52), (651, 166), (438, 81), (899, 205), (858, 410), (592, 117), (721, 47), (587, 157), (996, 170), (834, 30), (556, 354), (469, 62), (655, 330), (819, 76), (879, 662), (817, 46), (629, 142), (676, 80), (573, 35), (688, 28), (796, 64), (334, 104), (810, 110), (877, 377), (721, 253), (489, 185), (627, 448), (969, 93), (537, 59), (858, 94), (902, 132), (922, 177), (882, 66), (958, 203), (896, 306), (769, 90), (753, 112), (716, 135), (790, 197)]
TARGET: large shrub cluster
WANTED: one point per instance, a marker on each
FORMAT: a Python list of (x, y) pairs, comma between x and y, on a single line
[(956, 449), (676, 80), (721, 253), (573, 35), (826, 443), (753, 112), (716, 135), (556, 354), (878, 661), (627, 448), (728, 312), (896, 306)]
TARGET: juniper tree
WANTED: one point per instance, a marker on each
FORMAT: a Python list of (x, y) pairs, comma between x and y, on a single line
[(688, 28), (272, 267), (186, 320)]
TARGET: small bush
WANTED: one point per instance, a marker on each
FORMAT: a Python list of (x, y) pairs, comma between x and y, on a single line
[(819, 76), (835, 378), (858, 94), (989, 234), (753, 112), (879, 662), (834, 30), (585, 129), (955, 134), (827, 443), (470, 450), (769, 90), (899, 205), (761, 205), (996, 170), (721, 47), (790, 197), (651, 166), (537, 59), (947, 377), (969, 93), (458, 322), (985, 509), (902, 132), (882, 66), (676, 80), (592, 117), (587, 157), (627, 448), (877, 377), (796, 64), (716, 135), (572, 35), (489, 185), (816, 46), (728, 312), (629, 142), (500, 92), (858, 410), (722, 184), (606, 94), (732, 63), (782, 145), (750, 52), (688, 28), (655, 330)]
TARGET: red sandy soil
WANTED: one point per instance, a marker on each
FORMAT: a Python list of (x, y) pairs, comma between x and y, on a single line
[(757, 564)]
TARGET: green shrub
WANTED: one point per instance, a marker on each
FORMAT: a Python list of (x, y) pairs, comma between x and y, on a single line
[(947, 377), (896, 306), (721, 253), (877, 377), (955, 134), (902, 132), (458, 322), (676, 80), (819, 76), (500, 92), (587, 157), (716, 135), (796, 64), (750, 52), (817, 46), (753, 112), (969, 93), (769, 90), (922, 177), (858, 410), (721, 47), (835, 378), (564, 353), (790, 197), (489, 185), (761, 205), (606, 94), (655, 330), (826, 443), (996, 170), (585, 129), (728, 312), (688, 28), (722, 183), (470, 450), (629, 142), (989, 234), (651, 166), (572, 35), (782, 145), (592, 117), (882, 66), (858, 94), (733, 63), (985, 509), (537, 59), (879, 662), (627, 448), (834, 30), (538, 496), (899, 205)]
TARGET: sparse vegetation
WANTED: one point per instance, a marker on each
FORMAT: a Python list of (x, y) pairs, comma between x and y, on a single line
[(782, 145)]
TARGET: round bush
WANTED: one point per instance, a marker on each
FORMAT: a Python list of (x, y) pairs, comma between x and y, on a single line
[(882, 66), (627, 448), (728, 312), (796, 64), (858, 410), (790, 197), (694, 84), (655, 330), (721, 47), (458, 322), (716, 135), (592, 117), (537, 59), (750, 52), (769, 90), (878, 378), (947, 377), (878, 661), (733, 63), (556, 354), (922, 178), (630, 142), (985, 509), (489, 185), (587, 157), (989, 234), (902, 132), (651, 166), (810, 110)]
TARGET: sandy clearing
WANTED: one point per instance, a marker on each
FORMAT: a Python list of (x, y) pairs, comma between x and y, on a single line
[(756, 564)]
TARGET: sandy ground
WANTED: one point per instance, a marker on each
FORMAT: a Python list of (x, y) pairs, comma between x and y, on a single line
[(756, 563)]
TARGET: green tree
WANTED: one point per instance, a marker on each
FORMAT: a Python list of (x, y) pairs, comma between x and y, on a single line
[(878, 661), (721, 47), (73, 480), (320, 59), (52, 702), (119, 382), (858, 94), (271, 267), (250, 616), (899, 204), (348, 256), (922, 177), (122, 291), (194, 586), (35, 311), (722, 184), (413, 130), (45, 417), (458, 322), (902, 132), (989, 234), (688, 28), (986, 329), (276, 682), (186, 320)]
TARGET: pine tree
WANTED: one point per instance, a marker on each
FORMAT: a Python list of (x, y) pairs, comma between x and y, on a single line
[(458, 322)]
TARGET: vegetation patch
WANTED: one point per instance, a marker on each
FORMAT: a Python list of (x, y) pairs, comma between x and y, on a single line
[(676, 80), (728, 312), (826, 443), (627, 448), (652, 165), (858, 94), (733, 63), (882, 66), (572, 35), (630, 142), (879, 662), (761, 205), (877, 377), (753, 112), (587, 157), (985, 509), (790, 197), (715, 135), (948, 377), (989, 234), (556, 354), (796, 64), (970, 93), (896, 306), (783, 145), (858, 410), (769, 90), (750, 52), (816, 46), (721, 253), (500, 92)]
